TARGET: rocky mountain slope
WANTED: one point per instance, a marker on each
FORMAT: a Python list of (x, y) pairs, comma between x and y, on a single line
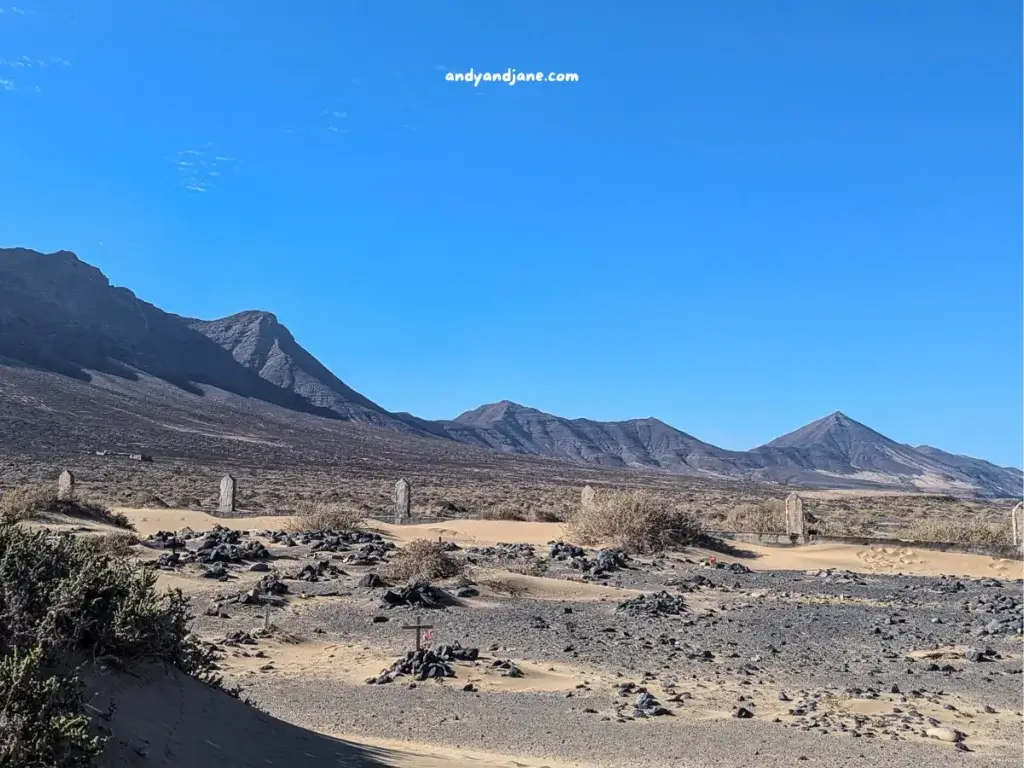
[(59, 315)]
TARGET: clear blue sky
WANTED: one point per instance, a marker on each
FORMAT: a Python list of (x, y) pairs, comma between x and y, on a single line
[(744, 216)]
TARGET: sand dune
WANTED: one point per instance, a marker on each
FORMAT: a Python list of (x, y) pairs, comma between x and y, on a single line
[(168, 719)]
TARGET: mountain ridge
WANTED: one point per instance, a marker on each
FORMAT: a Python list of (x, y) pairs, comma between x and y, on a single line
[(62, 315)]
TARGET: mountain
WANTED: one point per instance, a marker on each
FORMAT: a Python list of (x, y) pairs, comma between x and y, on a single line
[(836, 445), (835, 451), (80, 357), (637, 443), (59, 314), (259, 343)]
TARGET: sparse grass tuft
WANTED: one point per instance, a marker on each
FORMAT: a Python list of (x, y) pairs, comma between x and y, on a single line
[(636, 521), (422, 559), (326, 516)]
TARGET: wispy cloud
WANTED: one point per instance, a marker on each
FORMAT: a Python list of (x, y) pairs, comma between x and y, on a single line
[(6, 84), (336, 120), (199, 168)]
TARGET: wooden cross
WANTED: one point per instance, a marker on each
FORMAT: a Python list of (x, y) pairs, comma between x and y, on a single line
[(419, 628)]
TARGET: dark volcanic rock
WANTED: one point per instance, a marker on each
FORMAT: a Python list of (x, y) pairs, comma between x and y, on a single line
[(655, 604)]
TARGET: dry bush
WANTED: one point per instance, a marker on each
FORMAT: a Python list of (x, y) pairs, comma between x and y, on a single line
[(765, 517), (545, 515), (326, 516), (115, 544), (25, 503), (504, 510), (959, 532), (30, 502), (636, 521), (421, 559)]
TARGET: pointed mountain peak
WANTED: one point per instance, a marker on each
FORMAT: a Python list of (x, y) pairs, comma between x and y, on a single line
[(837, 427), (493, 412)]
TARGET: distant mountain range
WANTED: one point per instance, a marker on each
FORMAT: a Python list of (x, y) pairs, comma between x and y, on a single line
[(61, 315)]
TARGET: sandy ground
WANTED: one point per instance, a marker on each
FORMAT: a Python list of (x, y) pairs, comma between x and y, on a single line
[(859, 559), (312, 676)]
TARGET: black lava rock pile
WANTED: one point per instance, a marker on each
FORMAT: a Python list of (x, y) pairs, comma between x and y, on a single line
[(325, 540), (220, 545), (313, 572), (508, 669), (426, 664), (372, 581), (644, 705), (165, 540), (503, 551), (731, 567), (419, 594), (653, 604), (611, 560), (562, 551)]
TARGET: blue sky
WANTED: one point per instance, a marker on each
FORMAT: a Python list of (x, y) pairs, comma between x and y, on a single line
[(745, 215)]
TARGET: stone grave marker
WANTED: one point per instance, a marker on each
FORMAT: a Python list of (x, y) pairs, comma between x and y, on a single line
[(227, 494), (65, 486), (794, 515), (587, 497), (403, 503)]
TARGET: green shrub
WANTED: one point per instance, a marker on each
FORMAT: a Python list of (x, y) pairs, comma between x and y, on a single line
[(63, 602), (41, 720)]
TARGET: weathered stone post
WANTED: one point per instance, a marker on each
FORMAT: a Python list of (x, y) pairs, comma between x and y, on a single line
[(1017, 516), (587, 497), (227, 494), (795, 516), (65, 486), (403, 503)]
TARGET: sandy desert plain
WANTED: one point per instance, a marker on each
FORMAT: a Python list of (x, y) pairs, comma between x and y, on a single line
[(739, 655)]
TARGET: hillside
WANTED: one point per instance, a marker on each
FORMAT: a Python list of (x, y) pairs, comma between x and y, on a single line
[(87, 364)]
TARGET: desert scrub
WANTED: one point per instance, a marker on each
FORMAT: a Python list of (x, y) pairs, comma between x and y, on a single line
[(959, 532), (326, 516), (764, 517), (422, 559), (31, 502), (505, 510), (635, 521), (62, 603)]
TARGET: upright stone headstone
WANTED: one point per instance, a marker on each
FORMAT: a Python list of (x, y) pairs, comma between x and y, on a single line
[(227, 494), (794, 515), (587, 497), (1017, 516), (403, 503), (65, 486)]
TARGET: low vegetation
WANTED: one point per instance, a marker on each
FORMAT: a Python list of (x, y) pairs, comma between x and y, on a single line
[(64, 603), (422, 559), (965, 531), (326, 516), (764, 517), (34, 503), (521, 511), (635, 521)]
